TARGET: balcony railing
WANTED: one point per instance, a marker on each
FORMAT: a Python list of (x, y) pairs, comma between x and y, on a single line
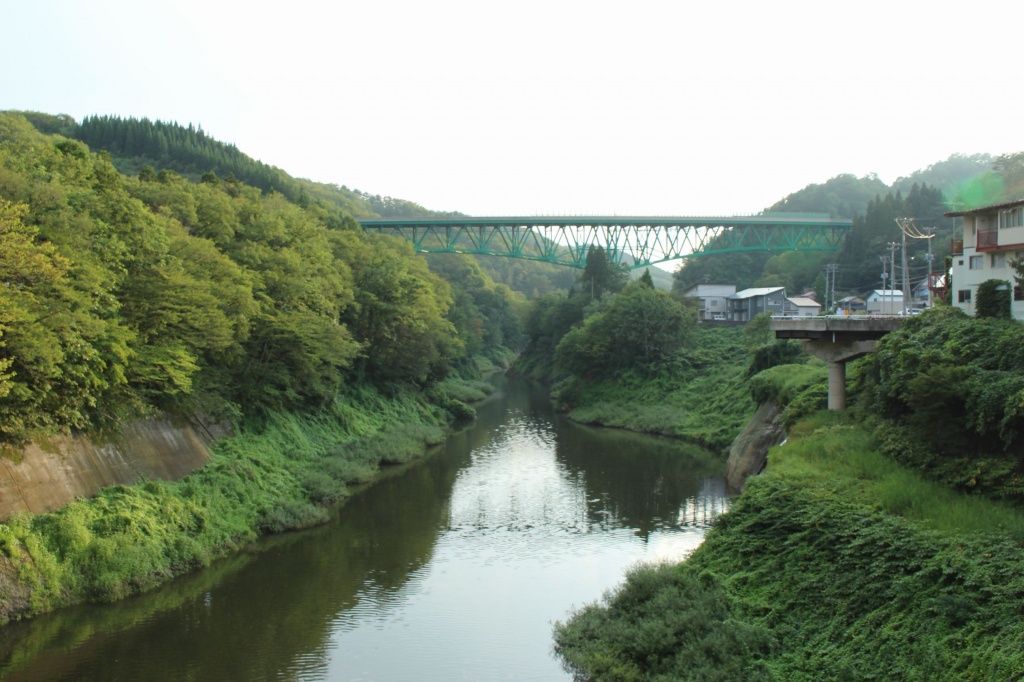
[(988, 239)]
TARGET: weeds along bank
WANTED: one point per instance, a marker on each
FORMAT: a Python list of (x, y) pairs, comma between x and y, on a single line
[(884, 543), (698, 393), (280, 473), (835, 564)]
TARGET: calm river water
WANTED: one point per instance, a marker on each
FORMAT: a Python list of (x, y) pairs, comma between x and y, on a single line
[(454, 568)]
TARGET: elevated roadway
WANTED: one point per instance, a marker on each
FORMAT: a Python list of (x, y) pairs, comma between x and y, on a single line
[(633, 241), (836, 339)]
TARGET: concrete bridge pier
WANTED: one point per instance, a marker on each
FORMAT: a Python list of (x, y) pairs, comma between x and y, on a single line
[(837, 385), (836, 341), (837, 355)]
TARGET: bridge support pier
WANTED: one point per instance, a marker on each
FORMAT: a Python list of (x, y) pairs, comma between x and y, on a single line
[(836, 341), (837, 386), (837, 354)]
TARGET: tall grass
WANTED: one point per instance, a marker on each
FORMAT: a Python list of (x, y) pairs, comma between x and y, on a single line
[(855, 567), (834, 452), (702, 395), (277, 474)]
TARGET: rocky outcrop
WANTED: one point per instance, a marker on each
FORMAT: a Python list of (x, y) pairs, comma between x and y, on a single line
[(46, 476), (748, 454)]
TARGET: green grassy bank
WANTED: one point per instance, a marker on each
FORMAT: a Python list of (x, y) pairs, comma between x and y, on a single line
[(280, 473), (700, 395), (836, 564)]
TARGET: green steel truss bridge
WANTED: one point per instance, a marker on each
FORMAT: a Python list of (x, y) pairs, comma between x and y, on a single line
[(636, 242)]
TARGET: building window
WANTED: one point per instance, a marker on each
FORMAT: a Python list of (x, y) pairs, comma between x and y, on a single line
[(997, 260), (714, 304), (1012, 217), (976, 263), (963, 296), (1018, 293)]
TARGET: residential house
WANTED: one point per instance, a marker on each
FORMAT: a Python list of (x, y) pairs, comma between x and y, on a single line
[(747, 304), (802, 306), (885, 301), (711, 299), (993, 237), (851, 304), (921, 295)]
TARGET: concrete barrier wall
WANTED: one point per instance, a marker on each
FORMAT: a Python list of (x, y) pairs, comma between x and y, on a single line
[(76, 466)]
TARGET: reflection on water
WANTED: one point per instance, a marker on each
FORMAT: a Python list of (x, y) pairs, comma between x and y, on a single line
[(453, 568)]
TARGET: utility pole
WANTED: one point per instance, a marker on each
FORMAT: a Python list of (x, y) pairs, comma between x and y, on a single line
[(884, 275), (830, 285), (931, 233), (892, 270), (906, 274), (909, 229)]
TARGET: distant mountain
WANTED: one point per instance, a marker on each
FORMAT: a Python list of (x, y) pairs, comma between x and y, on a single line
[(948, 176), (843, 196)]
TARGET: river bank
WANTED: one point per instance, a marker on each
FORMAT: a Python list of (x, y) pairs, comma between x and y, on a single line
[(280, 473), (702, 396), (836, 563), (880, 543), (459, 560)]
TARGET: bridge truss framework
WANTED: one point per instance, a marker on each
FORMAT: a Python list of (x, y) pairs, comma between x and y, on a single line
[(646, 240)]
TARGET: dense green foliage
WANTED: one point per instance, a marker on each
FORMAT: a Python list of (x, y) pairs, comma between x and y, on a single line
[(835, 564), (334, 352), (699, 393), (993, 299), (635, 357), (551, 317), (691, 633), (950, 394), (949, 176), (859, 265), (278, 474), (1003, 182), (843, 561), (127, 295), (641, 329), (843, 196)]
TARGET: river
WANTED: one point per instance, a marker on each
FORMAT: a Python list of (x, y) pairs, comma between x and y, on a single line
[(452, 568)]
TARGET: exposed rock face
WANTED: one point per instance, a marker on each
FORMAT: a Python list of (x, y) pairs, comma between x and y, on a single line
[(76, 466), (749, 452)]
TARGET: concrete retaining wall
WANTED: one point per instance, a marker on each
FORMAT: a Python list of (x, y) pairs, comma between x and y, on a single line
[(76, 466)]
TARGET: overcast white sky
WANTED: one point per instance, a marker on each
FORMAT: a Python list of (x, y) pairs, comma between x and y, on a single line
[(543, 107)]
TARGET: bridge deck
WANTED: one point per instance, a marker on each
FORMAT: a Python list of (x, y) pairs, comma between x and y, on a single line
[(846, 327), (635, 241)]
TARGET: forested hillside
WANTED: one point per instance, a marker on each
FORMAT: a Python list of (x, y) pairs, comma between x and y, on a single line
[(123, 295), (923, 197)]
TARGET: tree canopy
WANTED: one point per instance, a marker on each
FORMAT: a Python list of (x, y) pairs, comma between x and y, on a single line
[(121, 295)]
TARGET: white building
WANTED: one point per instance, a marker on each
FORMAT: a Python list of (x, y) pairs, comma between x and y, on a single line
[(993, 236), (801, 306), (885, 301), (711, 299)]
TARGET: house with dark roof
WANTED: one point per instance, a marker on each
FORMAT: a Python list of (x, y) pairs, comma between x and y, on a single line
[(851, 304), (747, 304)]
